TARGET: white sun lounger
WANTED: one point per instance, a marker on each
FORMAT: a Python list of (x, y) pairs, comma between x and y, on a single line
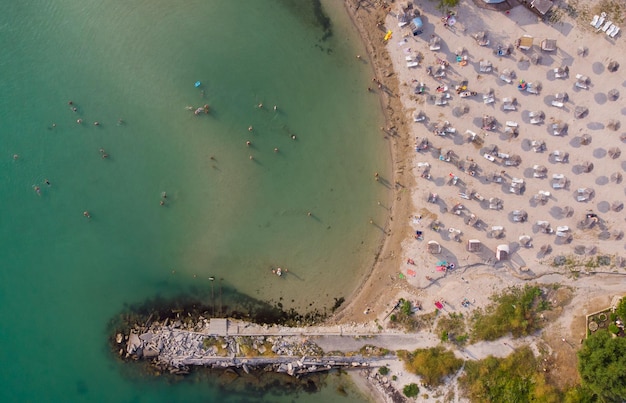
[(599, 23), (510, 123), (594, 21), (557, 104), (412, 64), (610, 30), (408, 58), (506, 79), (607, 25), (615, 32), (581, 85), (536, 121)]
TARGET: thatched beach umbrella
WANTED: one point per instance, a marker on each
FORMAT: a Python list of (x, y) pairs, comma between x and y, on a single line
[(525, 241), (585, 139), (613, 124), (561, 96), (545, 249), (582, 51), (613, 94), (568, 211), (618, 234), (579, 249), (515, 160), (587, 166), (612, 66), (614, 152), (581, 111), (617, 205), (535, 58), (616, 177)]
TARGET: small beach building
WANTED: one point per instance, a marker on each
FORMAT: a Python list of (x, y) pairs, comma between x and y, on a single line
[(541, 7), (434, 247), (502, 252), (526, 42), (548, 45), (473, 245)]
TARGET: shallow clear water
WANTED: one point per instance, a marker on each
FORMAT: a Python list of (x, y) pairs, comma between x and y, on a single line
[(63, 276)]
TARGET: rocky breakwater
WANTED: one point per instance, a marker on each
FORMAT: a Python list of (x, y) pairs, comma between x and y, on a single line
[(176, 348)]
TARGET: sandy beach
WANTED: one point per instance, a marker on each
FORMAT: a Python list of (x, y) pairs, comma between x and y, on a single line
[(529, 162)]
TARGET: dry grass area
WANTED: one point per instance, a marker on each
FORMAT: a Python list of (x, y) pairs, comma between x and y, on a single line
[(560, 360)]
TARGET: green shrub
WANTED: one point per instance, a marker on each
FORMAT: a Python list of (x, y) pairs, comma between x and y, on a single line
[(411, 390), (613, 328), (515, 378), (432, 364), (514, 310), (383, 371), (394, 378)]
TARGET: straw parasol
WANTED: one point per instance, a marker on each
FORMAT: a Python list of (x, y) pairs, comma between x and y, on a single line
[(613, 124), (613, 94), (612, 66), (582, 51), (525, 241), (614, 152), (587, 166), (545, 249), (579, 249), (616, 177), (618, 234), (617, 205), (535, 58), (585, 139), (568, 211), (581, 111)]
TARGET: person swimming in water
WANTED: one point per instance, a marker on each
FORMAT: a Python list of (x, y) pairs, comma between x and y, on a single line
[(37, 190)]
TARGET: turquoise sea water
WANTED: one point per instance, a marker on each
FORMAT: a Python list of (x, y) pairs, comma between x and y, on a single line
[(63, 276)]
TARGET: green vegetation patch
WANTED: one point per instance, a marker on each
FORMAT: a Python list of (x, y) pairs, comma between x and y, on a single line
[(452, 328), (432, 364), (411, 390), (516, 378), (602, 366), (515, 310)]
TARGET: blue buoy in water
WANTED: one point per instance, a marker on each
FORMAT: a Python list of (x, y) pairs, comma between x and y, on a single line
[(198, 83)]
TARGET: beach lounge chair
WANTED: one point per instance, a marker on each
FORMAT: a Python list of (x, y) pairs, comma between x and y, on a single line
[(600, 21), (488, 98), (594, 21), (510, 123), (615, 32), (557, 104), (610, 30), (607, 25), (506, 79), (581, 84), (536, 120), (412, 64)]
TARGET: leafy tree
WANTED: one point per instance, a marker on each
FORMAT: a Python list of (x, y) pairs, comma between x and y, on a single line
[(602, 366), (411, 390), (383, 370), (621, 309)]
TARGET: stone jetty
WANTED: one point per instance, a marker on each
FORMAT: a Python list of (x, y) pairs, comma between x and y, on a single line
[(176, 347)]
